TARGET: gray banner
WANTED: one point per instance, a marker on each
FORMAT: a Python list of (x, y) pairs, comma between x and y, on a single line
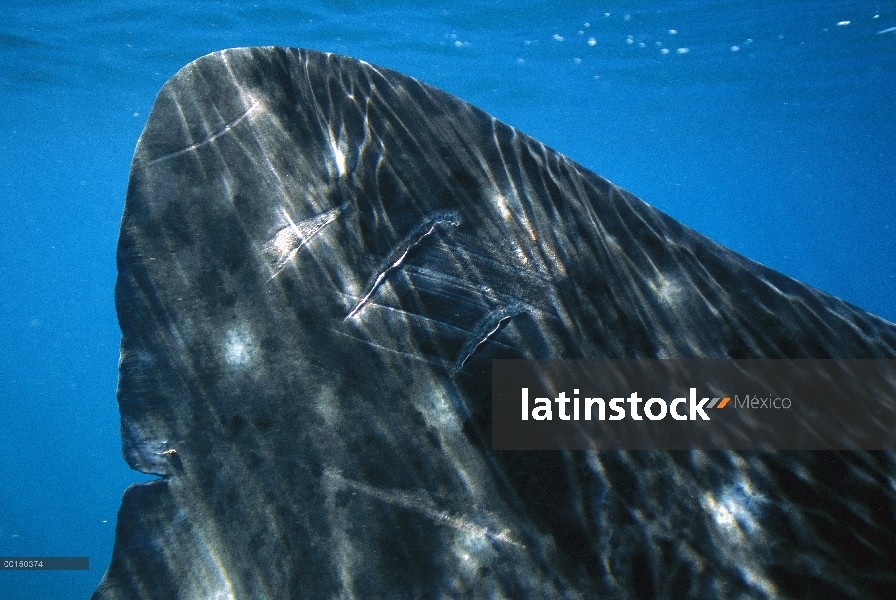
[(44, 563), (716, 404)]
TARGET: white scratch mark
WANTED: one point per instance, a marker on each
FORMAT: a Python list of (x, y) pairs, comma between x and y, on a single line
[(286, 242), (423, 506)]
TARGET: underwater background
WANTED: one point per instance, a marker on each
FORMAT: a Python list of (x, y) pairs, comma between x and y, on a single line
[(768, 126)]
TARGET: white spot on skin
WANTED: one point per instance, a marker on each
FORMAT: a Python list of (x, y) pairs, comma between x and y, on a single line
[(440, 414), (238, 350), (340, 158), (668, 290), (327, 406), (501, 204), (735, 514)]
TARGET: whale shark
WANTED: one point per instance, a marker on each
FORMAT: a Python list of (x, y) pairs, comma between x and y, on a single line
[(318, 261)]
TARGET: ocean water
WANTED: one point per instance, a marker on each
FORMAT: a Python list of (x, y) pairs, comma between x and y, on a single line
[(769, 127)]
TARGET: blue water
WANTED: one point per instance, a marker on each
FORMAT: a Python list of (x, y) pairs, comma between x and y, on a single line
[(771, 129)]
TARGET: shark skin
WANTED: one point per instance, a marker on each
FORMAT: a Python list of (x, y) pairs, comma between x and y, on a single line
[(318, 260)]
